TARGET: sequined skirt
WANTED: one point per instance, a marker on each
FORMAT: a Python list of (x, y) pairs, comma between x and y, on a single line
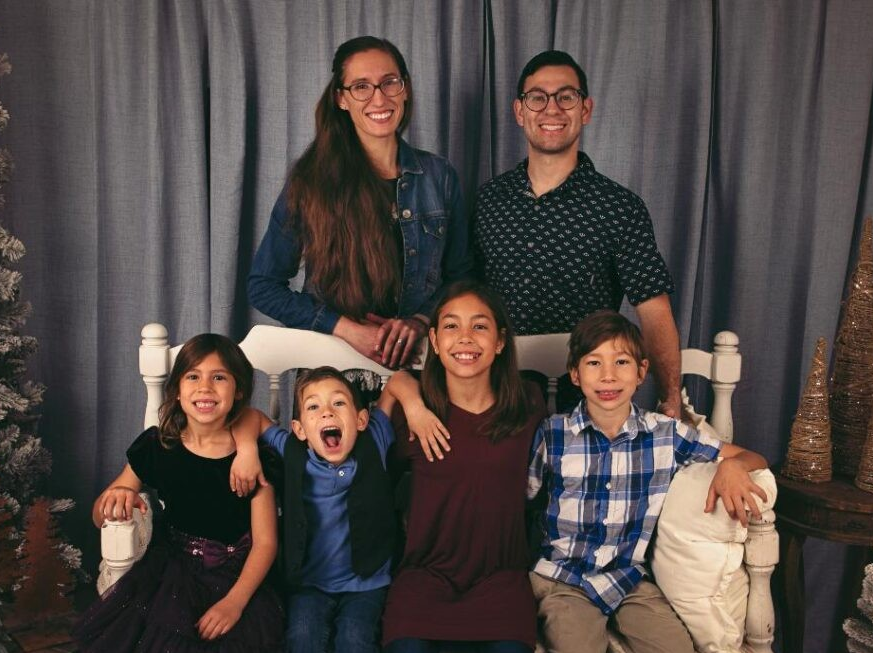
[(155, 606)]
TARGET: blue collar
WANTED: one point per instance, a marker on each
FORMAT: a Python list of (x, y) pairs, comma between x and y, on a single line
[(579, 421), (407, 158)]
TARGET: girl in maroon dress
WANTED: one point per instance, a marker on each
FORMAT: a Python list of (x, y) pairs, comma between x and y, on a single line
[(463, 577), (198, 587)]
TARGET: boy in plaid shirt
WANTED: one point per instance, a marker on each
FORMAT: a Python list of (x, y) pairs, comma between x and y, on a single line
[(606, 468)]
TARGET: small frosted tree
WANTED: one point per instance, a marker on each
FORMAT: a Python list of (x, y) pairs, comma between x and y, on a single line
[(29, 561)]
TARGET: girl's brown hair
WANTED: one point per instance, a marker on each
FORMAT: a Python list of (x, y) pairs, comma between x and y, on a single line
[(512, 404), (341, 208), (172, 419)]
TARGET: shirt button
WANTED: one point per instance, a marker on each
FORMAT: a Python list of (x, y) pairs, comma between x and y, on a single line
[(536, 207), (342, 472), (406, 213), (608, 485)]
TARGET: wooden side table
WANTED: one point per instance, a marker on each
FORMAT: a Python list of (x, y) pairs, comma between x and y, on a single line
[(836, 511)]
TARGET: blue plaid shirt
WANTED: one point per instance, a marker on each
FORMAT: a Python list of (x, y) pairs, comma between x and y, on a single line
[(605, 496)]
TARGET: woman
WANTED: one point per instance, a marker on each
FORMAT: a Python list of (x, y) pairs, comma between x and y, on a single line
[(380, 225)]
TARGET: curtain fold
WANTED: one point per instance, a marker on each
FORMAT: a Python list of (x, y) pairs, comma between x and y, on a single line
[(151, 139)]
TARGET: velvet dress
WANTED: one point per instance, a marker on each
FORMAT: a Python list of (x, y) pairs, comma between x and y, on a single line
[(196, 555), (464, 572)]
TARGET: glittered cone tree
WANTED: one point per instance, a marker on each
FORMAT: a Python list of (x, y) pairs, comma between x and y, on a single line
[(809, 449), (864, 477), (852, 381)]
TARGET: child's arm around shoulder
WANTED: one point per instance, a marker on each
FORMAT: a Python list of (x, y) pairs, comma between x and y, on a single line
[(119, 500), (246, 472), (734, 485), (223, 616), (432, 434)]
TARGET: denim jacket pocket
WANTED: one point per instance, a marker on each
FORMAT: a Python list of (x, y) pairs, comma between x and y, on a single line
[(434, 224)]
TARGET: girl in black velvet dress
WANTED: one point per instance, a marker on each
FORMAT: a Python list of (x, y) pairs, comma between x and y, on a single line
[(198, 587)]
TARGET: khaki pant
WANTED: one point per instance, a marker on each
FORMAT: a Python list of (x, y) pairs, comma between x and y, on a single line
[(570, 623)]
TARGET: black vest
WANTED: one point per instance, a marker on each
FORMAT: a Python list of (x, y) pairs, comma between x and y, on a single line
[(370, 505)]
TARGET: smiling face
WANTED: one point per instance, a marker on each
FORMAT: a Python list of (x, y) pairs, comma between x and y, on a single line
[(553, 130), (380, 116), (608, 377), (207, 393), (329, 421), (466, 337)]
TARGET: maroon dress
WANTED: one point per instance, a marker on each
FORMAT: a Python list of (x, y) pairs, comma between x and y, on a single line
[(464, 571)]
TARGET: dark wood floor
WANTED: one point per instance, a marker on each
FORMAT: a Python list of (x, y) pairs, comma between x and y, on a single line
[(50, 636)]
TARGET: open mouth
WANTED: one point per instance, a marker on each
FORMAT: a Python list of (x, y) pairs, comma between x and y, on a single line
[(380, 116), (204, 405), (331, 436), (466, 356)]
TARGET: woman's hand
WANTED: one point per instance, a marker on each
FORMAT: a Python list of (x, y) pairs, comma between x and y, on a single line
[(397, 338), (118, 503), (219, 619), (432, 434), (360, 335)]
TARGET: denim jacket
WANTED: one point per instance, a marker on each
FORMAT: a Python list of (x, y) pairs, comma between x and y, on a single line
[(435, 248)]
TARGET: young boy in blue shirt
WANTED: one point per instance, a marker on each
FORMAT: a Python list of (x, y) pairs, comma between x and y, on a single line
[(606, 468), (338, 512)]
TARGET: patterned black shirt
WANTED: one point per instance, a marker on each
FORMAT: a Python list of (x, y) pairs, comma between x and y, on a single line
[(578, 248)]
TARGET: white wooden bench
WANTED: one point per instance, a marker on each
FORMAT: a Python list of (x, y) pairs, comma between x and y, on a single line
[(276, 350)]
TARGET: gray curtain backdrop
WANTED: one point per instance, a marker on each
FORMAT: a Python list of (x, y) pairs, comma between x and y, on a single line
[(151, 138)]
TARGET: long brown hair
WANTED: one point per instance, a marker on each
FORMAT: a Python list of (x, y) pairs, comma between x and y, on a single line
[(341, 208), (172, 419), (512, 405)]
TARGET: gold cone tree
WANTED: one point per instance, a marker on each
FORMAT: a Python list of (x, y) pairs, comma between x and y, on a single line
[(852, 381), (809, 449), (864, 477)]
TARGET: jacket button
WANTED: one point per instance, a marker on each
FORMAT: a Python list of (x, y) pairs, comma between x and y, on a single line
[(406, 213), (404, 186), (412, 252)]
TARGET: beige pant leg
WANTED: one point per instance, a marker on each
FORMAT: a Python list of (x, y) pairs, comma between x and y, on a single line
[(568, 620), (649, 624)]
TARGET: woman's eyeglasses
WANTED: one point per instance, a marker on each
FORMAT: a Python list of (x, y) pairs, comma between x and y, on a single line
[(363, 91)]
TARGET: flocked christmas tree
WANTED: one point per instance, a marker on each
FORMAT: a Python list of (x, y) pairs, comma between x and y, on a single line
[(33, 556), (859, 630)]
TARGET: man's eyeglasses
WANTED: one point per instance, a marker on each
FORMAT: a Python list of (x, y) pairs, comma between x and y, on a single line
[(363, 91), (566, 98)]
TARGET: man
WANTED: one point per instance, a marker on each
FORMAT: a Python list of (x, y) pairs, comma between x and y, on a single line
[(559, 240)]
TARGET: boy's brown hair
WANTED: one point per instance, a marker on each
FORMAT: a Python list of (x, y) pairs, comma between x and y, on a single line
[(599, 327), (308, 377)]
